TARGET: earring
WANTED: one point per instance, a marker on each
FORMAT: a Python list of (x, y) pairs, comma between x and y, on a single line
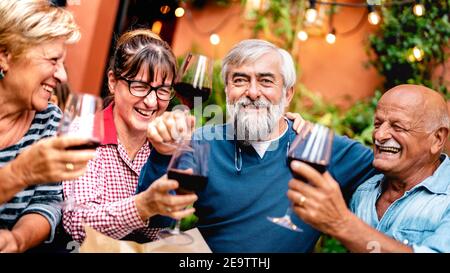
[(2, 75)]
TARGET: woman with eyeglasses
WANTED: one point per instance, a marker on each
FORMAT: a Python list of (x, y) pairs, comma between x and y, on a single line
[(140, 82)]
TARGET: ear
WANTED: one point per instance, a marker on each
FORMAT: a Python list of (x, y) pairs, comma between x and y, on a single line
[(112, 82), (440, 137), (289, 95), (5, 59)]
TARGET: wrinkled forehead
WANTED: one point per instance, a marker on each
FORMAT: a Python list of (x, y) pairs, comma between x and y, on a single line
[(395, 110), (269, 62)]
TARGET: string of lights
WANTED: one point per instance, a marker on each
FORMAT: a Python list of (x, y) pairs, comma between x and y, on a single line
[(311, 14), (373, 16)]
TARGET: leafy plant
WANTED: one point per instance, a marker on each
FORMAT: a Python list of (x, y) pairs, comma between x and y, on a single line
[(400, 32)]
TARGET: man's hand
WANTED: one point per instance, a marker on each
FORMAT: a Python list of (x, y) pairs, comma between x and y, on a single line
[(300, 125), (319, 203), (157, 199), (168, 129)]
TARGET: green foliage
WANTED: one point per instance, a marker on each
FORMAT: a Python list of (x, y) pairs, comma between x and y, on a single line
[(400, 32)]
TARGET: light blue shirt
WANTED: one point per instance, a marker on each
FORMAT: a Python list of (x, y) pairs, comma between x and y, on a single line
[(420, 218)]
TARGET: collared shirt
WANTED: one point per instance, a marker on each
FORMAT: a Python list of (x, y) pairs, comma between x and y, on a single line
[(420, 218), (107, 189)]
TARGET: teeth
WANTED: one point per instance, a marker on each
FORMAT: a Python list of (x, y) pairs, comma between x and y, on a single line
[(143, 112), (48, 88), (389, 149)]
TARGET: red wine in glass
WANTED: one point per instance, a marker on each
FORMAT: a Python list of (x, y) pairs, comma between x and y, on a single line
[(91, 145), (194, 79), (314, 149), (187, 93), (82, 118), (189, 166), (187, 182)]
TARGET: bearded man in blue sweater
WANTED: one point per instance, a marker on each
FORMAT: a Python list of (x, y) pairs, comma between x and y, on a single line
[(248, 170)]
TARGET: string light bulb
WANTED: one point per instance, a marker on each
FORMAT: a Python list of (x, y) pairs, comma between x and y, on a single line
[(214, 39), (164, 9), (311, 12), (179, 12), (331, 37), (373, 17), (302, 35), (418, 53), (156, 27), (418, 9)]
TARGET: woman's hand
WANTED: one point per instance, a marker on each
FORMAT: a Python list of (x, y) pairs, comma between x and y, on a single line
[(50, 160), (167, 129), (157, 199)]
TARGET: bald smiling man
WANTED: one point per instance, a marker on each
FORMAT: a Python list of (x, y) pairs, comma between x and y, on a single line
[(407, 207)]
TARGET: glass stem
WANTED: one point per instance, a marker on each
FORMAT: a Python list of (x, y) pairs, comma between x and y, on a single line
[(176, 229), (288, 212)]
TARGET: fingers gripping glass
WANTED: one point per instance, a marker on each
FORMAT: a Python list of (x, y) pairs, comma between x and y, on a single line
[(142, 89), (189, 166), (313, 148)]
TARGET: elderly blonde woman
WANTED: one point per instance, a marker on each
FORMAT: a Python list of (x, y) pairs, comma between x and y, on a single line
[(33, 38)]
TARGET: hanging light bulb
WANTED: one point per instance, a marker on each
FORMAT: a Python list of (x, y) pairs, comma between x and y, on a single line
[(311, 12), (164, 9), (373, 17), (418, 9), (302, 35), (156, 27), (214, 39), (179, 12), (331, 37), (418, 53)]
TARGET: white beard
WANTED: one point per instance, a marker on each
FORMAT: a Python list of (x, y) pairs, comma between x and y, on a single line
[(254, 125)]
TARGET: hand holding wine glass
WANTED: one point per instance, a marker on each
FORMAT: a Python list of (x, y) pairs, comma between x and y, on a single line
[(194, 79), (314, 148), (188, 166)]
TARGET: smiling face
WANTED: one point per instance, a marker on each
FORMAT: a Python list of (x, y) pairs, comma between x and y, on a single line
[(403, 142), (255, 97), (134, 112), (31, 80)]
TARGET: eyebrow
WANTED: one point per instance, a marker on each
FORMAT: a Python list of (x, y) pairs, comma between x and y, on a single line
[(240, 74), (258, 75)]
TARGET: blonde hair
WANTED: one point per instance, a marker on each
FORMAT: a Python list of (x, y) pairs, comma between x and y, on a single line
[(27, 23)]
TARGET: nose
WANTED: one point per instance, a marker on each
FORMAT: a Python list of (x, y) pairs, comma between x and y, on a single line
[(382, 133), (253, 91), (60, 73), (151, 100)]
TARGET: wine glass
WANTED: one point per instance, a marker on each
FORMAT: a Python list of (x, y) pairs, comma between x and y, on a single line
[(83, 118), (194, 80), (314, 148), (189, 166)]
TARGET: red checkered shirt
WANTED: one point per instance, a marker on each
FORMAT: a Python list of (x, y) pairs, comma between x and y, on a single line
[(106, 191)]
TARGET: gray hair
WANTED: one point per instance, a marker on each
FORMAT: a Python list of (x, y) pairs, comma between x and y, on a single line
[(248, 51)]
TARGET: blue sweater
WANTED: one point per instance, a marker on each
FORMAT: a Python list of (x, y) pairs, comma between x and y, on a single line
[(238, 198)]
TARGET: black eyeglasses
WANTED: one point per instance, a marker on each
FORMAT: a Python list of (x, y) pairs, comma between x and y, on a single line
[(142, 89)]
